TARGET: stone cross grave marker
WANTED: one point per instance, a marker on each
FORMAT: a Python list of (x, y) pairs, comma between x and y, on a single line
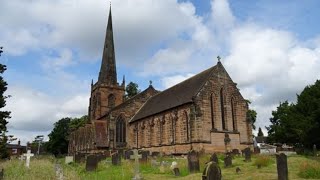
[(214, 158), (282, 166), (212, 172), (116, 159), (228, 161), (193, 161), (247, 154), (136, 156), (28, 155), (68, 159), (91, 163)]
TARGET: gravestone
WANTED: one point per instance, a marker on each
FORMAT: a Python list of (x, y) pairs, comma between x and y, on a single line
[(235, 152), (91, 163), (68, 159), (155, 154), (59, 171), (282, 166), (314, 150), (79, 158), (212, 172), (127, 154), (136, 156), (116, 159), (214, 158), (144, 156), (101, 157), (238, 170), (193, 161), (247, 154), (174, 167), (228, 161), (2, 174), (28, 155)]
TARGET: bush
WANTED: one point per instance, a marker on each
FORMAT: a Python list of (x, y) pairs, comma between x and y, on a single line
[(263, 160), (310, 170)]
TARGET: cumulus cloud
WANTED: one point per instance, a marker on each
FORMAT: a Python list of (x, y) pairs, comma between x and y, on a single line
[(170, 81)]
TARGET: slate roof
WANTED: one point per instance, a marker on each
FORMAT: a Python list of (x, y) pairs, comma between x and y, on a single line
[(177, 95)]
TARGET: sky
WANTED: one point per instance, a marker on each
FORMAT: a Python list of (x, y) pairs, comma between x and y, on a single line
[(53, 50)]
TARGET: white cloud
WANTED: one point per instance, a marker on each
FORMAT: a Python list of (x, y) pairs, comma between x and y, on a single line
[(170, 81)]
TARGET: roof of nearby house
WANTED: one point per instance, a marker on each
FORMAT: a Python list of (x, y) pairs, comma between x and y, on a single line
[(177, 95)]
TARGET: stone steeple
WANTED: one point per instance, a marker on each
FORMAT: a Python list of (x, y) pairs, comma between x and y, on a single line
[(108, 72)]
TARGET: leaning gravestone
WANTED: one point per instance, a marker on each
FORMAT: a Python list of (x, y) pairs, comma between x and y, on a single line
[(91, 163), (214, 158), (247, 154), (68, 159), (212, 172), (282, 166), (228, 161), (116, 159), (193, 161)]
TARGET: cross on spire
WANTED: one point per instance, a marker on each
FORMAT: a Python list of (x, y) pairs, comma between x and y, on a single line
[(219, 58)]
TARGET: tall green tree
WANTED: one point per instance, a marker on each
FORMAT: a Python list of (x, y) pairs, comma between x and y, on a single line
[(298, 123), (4, 115), (76, 123), (58, 138), (251, 115), (260, 133), (132, 89)]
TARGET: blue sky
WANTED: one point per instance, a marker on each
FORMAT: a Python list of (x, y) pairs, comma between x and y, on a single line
[(53, 50)]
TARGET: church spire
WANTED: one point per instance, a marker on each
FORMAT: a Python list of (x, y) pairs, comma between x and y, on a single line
[(108, 72)]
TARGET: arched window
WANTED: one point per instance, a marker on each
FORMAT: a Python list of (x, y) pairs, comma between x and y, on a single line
[(222, 110), (233, 114), (186, 129), (212, 110), (111, 101), (120, 130)]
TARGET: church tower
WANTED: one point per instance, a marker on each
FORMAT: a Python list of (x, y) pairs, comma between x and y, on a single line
[(106, 93)]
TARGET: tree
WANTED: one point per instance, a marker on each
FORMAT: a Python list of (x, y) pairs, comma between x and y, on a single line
[(58, 138), (298, 123), (4, 115), (132, 90), (260, 133), (76, 123)]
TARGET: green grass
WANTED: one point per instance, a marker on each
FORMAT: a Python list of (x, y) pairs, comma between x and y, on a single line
[(300, 167)]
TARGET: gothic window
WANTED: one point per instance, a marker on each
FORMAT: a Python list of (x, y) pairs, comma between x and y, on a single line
[(111, 100), (186, 128), (120, 130), (233, 114), (172, 130), (212, 110), (222, 109)]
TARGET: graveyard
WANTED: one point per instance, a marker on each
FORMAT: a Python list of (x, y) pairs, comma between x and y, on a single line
[(48, 167)]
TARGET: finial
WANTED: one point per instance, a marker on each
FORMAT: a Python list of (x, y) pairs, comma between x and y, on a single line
[(150, 82), (219, 58), (110, 3)]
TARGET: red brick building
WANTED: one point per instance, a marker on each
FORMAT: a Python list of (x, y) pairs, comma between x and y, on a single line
[(195, 114)]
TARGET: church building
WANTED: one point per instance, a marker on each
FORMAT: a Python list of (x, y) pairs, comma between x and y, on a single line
[(199, 113)]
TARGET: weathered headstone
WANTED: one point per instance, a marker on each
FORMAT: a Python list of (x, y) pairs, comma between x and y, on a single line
[(214, 158), (314, 150), (79, 158), (116, 159), (282, 166), (247, 154), (136, 156), (68, 159), (127, 154), (228, 161), (212, 172), (144, 156), (28, 155), (59, 171), (91, 163), (175, 168), (193, 161), (2, 174), (235, 152), (238, 170)]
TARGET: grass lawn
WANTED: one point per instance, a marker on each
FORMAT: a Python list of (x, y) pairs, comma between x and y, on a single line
[(44, 168)]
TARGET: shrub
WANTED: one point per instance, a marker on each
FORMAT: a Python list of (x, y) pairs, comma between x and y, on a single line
[(310, 170), (263, 161)]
